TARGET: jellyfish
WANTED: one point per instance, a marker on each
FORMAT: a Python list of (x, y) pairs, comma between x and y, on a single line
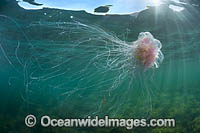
[(147, 51), (79, 68)]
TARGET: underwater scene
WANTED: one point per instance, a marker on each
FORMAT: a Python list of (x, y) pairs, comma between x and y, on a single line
[(83, 59)]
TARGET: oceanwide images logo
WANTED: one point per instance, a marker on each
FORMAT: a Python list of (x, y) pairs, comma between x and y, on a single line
[(46, 121)]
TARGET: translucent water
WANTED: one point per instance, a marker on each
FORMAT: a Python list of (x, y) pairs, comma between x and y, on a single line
[(80, 62), (75, 68)]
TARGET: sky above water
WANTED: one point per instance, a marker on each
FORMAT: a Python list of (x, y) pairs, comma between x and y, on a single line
[(119, 6)]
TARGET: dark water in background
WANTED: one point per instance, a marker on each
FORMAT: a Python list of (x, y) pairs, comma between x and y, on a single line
[(31, 40)]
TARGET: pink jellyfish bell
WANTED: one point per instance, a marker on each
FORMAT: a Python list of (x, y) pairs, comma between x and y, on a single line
[(147, 50)]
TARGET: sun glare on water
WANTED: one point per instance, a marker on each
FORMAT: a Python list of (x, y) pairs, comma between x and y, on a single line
[(156, 2)]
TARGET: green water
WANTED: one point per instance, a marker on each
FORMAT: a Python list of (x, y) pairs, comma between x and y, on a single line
[(34, 79)]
